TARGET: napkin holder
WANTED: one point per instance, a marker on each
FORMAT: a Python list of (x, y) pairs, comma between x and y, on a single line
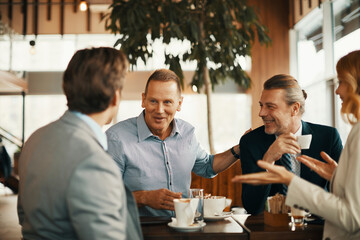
[(276, 220)]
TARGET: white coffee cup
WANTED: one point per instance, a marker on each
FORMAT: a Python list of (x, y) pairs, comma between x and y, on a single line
[(214, 205), (185, 209), (304, 141)]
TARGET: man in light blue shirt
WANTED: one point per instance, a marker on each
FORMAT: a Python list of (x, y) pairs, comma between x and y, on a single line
[(156, 153)]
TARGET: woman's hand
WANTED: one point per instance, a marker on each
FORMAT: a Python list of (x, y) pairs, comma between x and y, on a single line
[(274, 174), (324, 169)]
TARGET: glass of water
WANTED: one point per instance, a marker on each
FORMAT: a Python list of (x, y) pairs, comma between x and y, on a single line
[(198, 193)]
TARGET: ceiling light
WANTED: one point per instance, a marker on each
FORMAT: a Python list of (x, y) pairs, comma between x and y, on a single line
[(32, 48), (83, 6)]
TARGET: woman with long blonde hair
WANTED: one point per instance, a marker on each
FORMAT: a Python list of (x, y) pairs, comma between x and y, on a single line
[(341, 206)]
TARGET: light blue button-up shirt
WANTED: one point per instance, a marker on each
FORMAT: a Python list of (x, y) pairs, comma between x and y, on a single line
[(95, 127), (148, 163)]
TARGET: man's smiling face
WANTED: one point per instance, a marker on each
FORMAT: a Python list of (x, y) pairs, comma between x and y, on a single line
[(275, 112), (161, 103)]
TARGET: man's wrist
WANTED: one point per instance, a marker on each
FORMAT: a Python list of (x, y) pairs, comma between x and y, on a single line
[(268, 159), (139, 198), (237, 156)]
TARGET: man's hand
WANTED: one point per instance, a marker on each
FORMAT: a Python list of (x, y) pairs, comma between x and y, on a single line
[(325, 170), (274, 174), (157, 199), (285, 143), (247, 131)]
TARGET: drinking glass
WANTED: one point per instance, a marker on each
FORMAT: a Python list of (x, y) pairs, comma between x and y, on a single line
[(198, 193), (297, 217)]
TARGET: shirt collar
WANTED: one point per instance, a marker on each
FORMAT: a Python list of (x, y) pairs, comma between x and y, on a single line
[(95, 127), (144, 131), (299, 131)]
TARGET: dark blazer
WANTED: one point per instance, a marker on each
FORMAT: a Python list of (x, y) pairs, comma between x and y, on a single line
[(254, 145)]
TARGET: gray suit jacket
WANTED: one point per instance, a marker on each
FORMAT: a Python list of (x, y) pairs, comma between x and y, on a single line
[(70, 188)]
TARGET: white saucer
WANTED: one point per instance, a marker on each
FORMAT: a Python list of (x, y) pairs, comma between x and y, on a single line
[(223, 215), (193, 227)]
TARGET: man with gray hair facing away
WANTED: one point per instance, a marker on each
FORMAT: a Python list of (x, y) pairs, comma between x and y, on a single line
[(282, 105)]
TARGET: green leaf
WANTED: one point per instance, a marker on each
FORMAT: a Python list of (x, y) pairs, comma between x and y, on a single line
[(164, 20)]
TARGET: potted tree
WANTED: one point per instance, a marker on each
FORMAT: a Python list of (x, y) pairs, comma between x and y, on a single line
[(219, 32)]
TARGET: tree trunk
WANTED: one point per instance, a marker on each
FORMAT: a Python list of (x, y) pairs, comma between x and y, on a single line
[(206, 80), (208, 103)]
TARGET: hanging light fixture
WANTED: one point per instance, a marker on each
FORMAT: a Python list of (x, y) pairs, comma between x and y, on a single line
[(83, 6), (32, 47)]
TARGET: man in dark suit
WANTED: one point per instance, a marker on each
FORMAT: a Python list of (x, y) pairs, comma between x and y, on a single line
[(282, 104)]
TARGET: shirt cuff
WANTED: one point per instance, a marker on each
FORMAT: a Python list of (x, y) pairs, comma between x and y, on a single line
[(295, 193), (213, 173)]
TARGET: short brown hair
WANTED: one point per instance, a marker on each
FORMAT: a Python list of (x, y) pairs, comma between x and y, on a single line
[(293, 92), (164, 75), (92, 78)]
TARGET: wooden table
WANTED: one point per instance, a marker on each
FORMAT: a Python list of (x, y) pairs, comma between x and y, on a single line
[(256, 228), (251, 227), (227, 229)]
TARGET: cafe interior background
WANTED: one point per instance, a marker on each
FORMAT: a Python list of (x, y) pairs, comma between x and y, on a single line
[(308, 37)]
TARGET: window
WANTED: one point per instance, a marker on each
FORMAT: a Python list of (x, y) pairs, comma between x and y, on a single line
[(53, 52), (320, 39)]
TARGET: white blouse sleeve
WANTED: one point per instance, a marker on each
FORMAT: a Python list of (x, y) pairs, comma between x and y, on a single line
[(341, 208)]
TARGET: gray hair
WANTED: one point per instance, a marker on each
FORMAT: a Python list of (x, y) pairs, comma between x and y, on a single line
[(293, 92)]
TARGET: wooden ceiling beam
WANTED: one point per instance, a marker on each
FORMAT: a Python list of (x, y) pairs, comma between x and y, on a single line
[(36, 17), (76, 6), (24, 11), (10, 11), (62, 6), (48, 14)]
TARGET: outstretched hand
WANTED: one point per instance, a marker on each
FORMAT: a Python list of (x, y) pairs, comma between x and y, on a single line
[(274, 174), (157, 199), (324, 169)]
